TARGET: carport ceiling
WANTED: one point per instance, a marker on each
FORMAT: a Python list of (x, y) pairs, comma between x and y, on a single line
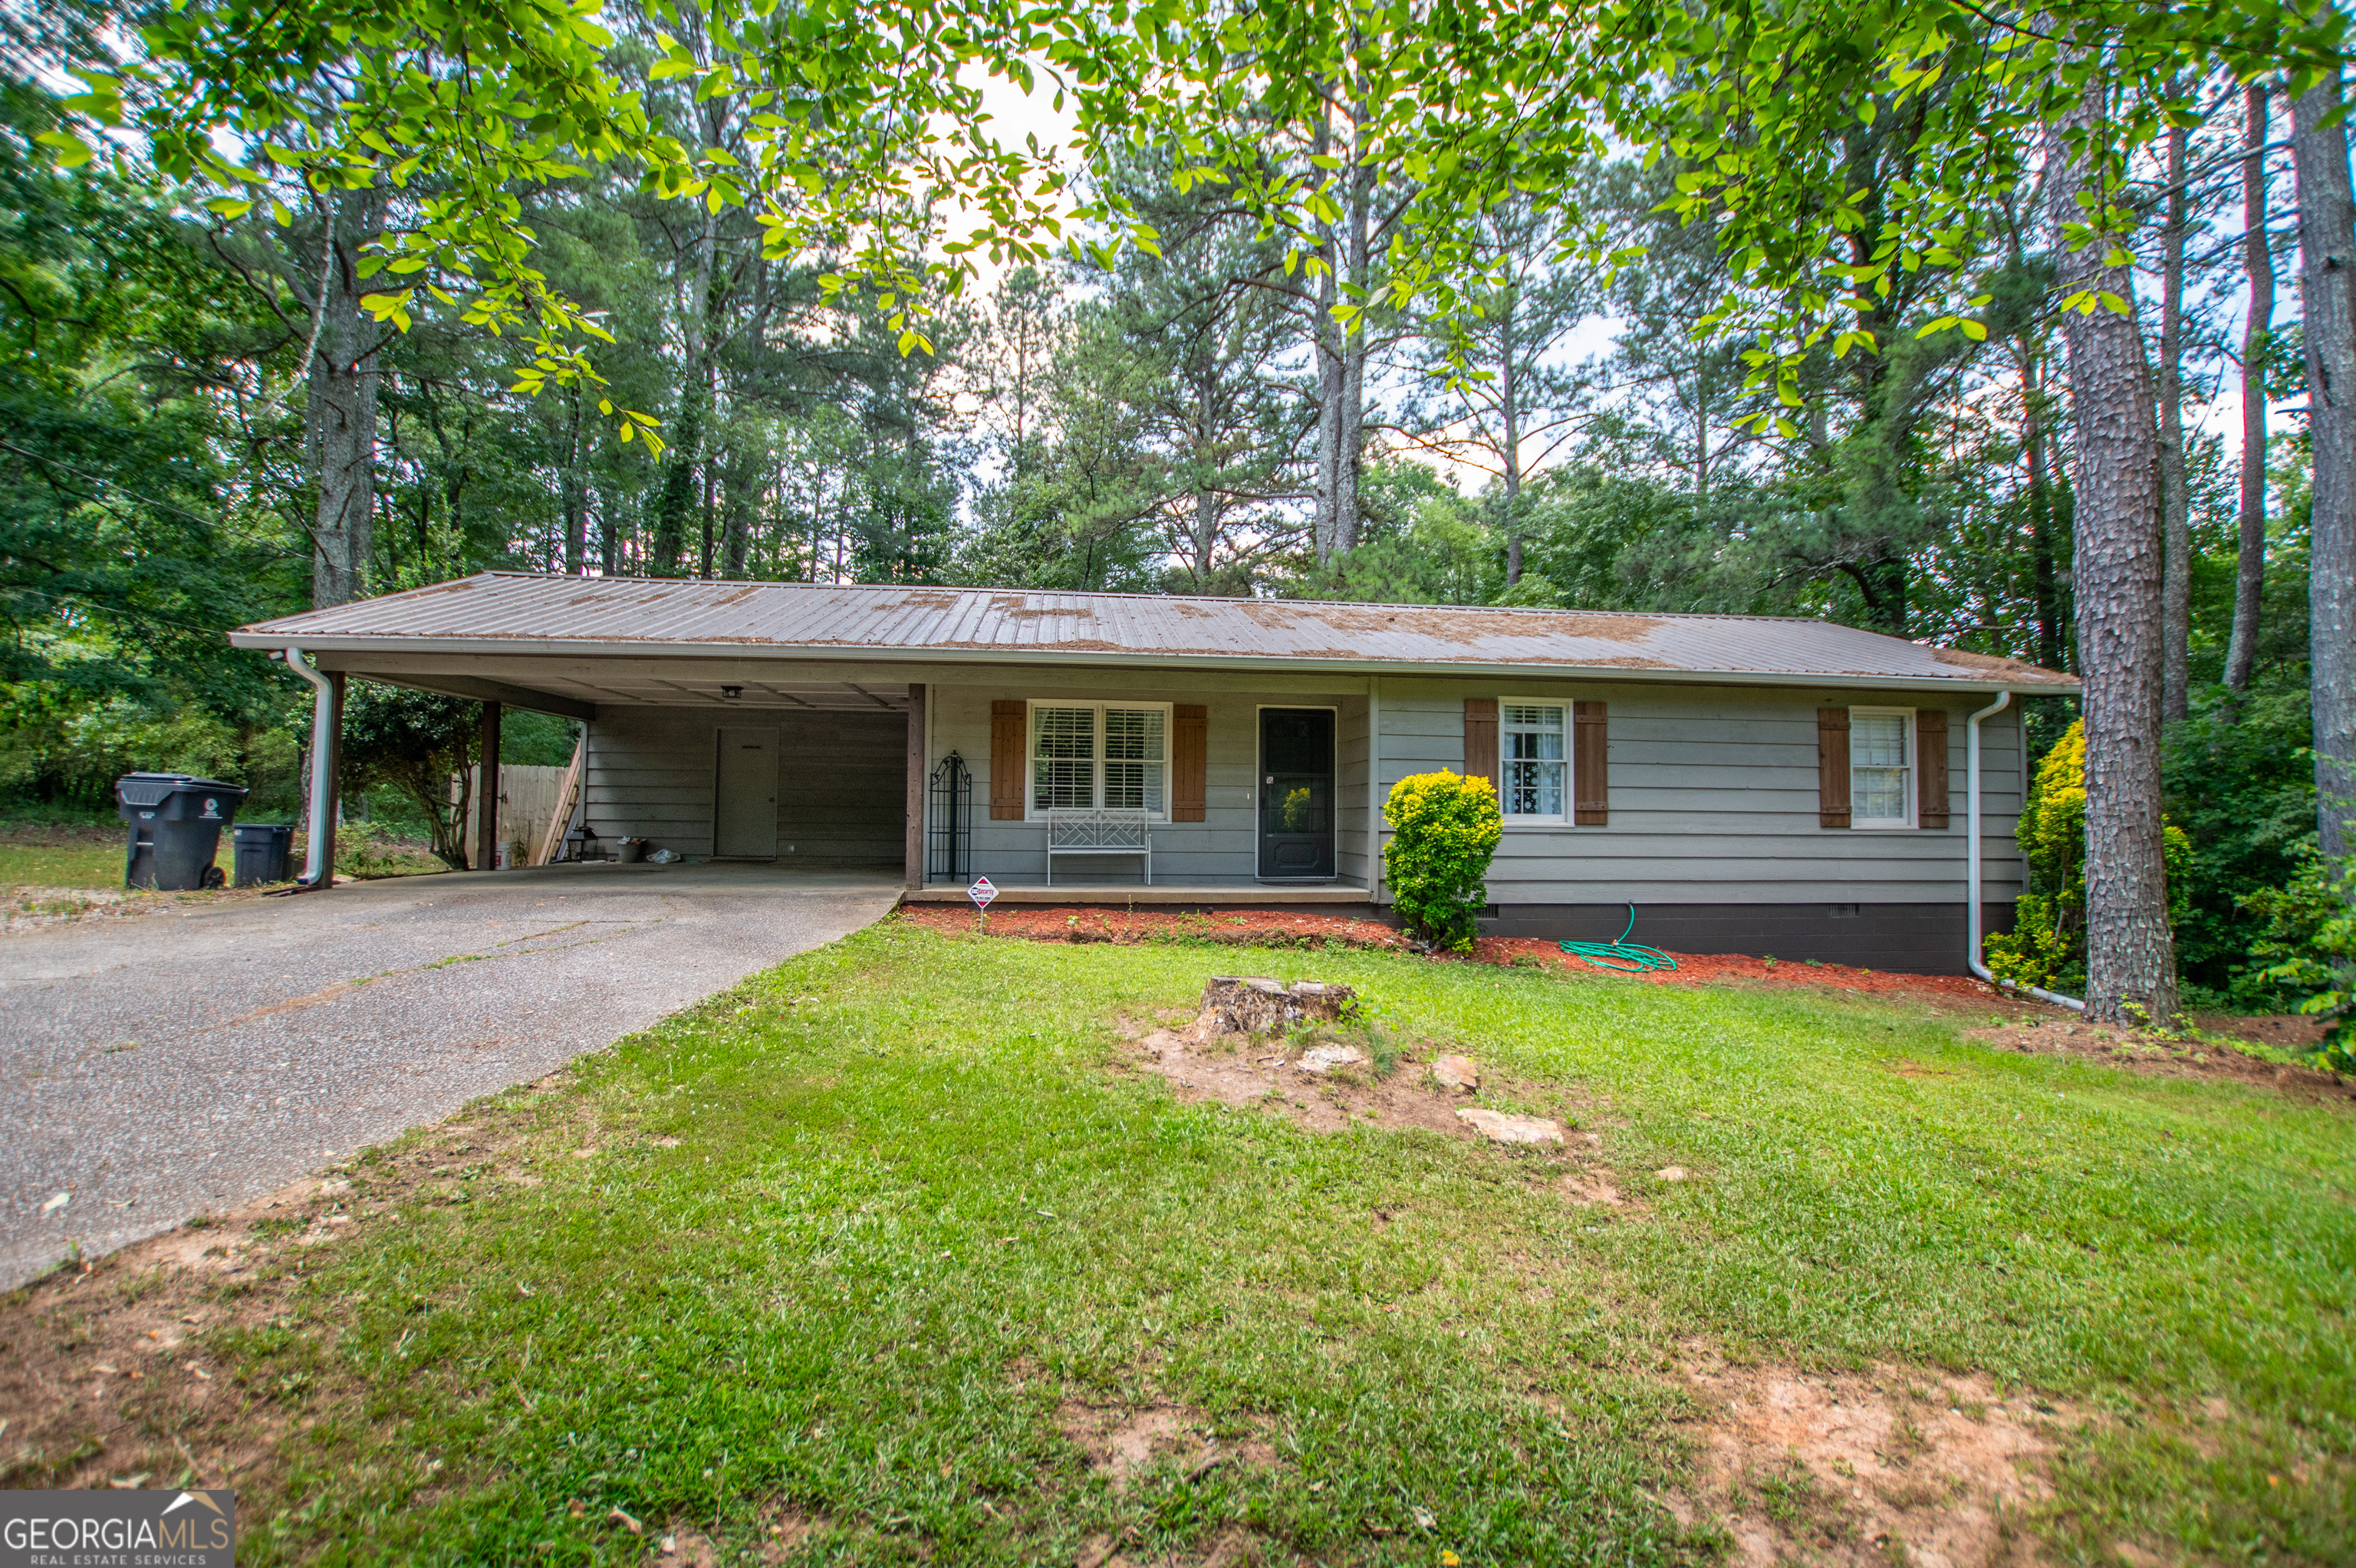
[(573, 686)]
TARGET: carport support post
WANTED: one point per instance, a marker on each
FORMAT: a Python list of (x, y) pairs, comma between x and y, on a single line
[(331, 757), (487, 798), (916, 845)]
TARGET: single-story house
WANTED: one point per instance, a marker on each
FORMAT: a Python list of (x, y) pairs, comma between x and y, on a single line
[(1752, 784)]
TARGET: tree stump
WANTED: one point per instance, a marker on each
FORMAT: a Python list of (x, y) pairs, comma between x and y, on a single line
[(1251, 1005)]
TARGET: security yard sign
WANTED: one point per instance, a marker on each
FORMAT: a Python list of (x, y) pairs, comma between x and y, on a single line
[(981, 893)]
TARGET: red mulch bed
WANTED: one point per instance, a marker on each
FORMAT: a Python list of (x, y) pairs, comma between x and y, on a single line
[(1305, 928)]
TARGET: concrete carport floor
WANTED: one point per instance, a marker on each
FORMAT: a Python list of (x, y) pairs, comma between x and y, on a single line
[(176, 1063)]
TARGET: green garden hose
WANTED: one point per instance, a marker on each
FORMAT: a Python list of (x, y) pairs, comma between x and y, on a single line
[(1627, 958)]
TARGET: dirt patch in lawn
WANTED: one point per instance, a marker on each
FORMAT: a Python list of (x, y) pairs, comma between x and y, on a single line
[(1236, 1070), (109, 1370), (1885, 1466), (1391, 1084), (2200, 1055), (1269, 1074), (1121, 1442)]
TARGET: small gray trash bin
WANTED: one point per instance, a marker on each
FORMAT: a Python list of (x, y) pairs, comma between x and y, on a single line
[(262, 849), (176, 821)]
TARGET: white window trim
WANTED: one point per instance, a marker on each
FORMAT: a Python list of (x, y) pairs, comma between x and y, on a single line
[(1568, 816), (1858, 820), (1034, 812)]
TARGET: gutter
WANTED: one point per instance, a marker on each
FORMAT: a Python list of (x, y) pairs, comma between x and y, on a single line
[(323, 723), (1972, 866)]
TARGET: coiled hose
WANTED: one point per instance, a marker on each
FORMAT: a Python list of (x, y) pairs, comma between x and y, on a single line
[(1627, 958)]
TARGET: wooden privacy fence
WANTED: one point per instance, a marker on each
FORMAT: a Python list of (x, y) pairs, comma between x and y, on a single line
[(535, 807)]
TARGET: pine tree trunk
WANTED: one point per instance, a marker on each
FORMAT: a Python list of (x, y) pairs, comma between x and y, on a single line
[(1346, 519), (1324, 529), (742, 493), (339, 414), (2326, 242), (1509, 411), (2044, 590), (571, 495), (1207, 504), (2130, 958), (2176, 502), (2257, 259)]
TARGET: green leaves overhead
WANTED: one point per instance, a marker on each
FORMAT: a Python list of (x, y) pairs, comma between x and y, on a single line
[(857, 121), (864, 127)]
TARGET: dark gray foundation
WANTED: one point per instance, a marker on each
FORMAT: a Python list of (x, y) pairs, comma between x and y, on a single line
[(1915, 939)]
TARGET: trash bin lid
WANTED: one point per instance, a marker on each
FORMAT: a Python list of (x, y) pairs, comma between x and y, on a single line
[(149, 789), (153, 789)]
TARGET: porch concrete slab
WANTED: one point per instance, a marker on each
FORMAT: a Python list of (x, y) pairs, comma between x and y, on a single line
[(1245, 895), (168, 1064)]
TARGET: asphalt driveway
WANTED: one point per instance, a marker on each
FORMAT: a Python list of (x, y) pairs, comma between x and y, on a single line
[(165, 1065)]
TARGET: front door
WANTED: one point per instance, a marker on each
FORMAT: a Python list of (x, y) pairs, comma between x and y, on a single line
[(1296, 794), (745, 817)]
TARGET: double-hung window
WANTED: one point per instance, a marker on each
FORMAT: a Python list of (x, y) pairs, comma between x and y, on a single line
[(1091, 755), (1535, 760), (1881, 767)]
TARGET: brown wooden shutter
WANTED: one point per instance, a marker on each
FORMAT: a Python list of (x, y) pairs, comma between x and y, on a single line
[(1590, 766), (1931, 767), (1832, 767), (1190, 761), (1480, 738), (1010, 738)]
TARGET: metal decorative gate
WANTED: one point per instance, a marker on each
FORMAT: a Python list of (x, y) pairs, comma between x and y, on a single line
[(949, 838)]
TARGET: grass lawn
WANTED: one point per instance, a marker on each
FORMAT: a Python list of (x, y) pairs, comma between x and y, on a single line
[(850, 1263), (61, 864)]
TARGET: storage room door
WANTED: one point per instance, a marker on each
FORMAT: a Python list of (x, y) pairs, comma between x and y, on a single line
[(744, 819)]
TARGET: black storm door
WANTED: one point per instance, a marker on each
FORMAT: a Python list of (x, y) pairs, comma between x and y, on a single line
[(1296, 793)]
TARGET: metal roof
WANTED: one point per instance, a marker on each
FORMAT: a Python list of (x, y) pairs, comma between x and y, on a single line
[(518, 614)]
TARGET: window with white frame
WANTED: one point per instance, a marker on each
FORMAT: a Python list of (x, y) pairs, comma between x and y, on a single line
[(1532, 755), (1087, 755), (1881, 767)]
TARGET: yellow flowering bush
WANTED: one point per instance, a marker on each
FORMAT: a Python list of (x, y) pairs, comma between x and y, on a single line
[(1444, 829), (2047, 945)]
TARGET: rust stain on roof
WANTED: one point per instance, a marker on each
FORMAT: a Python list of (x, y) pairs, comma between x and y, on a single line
[(1994, 664)]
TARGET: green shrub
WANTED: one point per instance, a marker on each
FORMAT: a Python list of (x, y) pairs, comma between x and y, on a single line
[(2241, 782), (1444, 828), (2309, 945), (2047, 945)]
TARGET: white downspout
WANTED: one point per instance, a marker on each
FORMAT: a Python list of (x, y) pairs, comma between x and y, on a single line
[(323, 721), (1972, 862), (1375, 791)]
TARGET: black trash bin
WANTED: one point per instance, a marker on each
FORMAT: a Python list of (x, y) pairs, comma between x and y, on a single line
[(175, 822), (262, 848)]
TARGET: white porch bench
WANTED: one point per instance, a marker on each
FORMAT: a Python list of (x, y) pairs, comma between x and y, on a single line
[(1098, 833)]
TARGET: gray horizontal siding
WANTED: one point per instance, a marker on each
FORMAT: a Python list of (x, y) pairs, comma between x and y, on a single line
[(840, 798), (1222, 850), (1713, 790), (1714, 801)]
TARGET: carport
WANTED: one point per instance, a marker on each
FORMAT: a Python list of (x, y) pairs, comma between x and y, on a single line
[(713, 757)]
